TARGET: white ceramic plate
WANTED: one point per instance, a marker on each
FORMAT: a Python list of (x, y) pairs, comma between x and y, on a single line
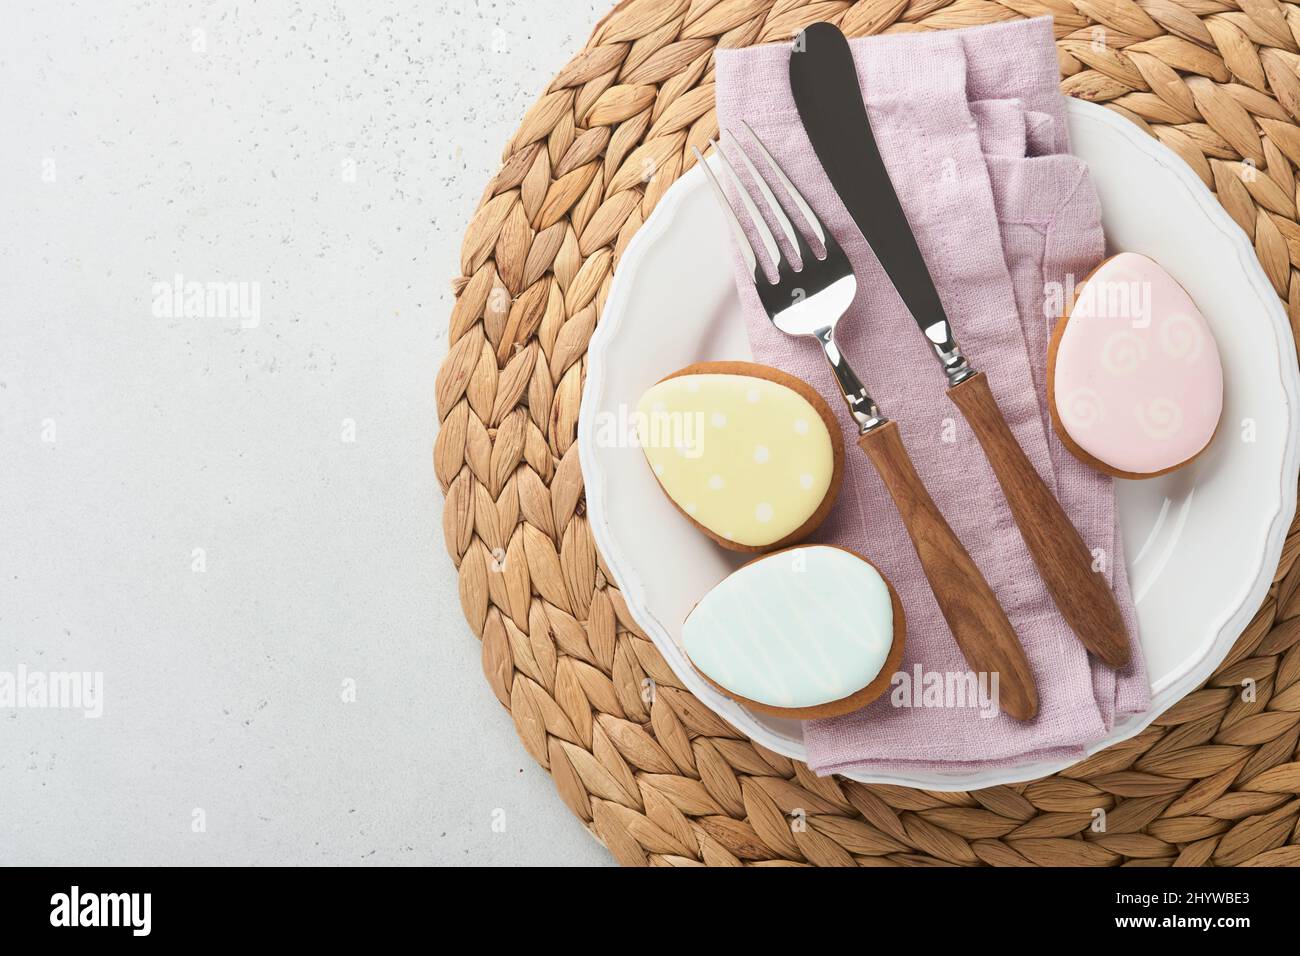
[(1202, 543)]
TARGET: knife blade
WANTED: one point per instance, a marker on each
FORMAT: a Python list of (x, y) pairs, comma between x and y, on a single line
[(824, 80)]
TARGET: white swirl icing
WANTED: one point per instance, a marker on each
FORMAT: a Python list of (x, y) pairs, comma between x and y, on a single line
[(1181, 337), (1082, 409), (1159, 418), (1123, 352)]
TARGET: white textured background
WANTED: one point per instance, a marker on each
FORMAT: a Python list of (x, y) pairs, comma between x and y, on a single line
[(222, 155)]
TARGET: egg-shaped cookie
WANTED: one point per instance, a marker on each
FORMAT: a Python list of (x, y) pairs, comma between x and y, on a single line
[(751, 455), (1135, 385), (806, 632)]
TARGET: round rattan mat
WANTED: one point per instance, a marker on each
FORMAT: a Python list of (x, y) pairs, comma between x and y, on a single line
[(650, 770)]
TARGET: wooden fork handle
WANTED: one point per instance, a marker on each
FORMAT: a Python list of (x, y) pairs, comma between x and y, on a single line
[(1064, 561), (969, 605)]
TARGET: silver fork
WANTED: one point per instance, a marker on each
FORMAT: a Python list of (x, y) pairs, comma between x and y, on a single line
[(809, 298)]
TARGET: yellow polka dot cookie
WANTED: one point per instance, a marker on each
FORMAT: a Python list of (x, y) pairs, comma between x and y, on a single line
[(750, 455)]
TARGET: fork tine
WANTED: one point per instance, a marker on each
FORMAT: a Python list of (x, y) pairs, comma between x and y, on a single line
[(778, 212), (755, 217), (742, 240), (796, 197)]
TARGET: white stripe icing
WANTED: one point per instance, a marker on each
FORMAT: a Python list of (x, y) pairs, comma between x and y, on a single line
[(794, 629)]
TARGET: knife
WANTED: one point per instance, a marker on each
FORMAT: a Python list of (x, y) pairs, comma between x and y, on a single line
[(824, 81)]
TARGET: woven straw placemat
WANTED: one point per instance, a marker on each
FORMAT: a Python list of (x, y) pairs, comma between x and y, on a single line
[(648, 768)]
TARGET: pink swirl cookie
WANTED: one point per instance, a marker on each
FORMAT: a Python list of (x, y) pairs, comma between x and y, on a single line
[(1134, 381)]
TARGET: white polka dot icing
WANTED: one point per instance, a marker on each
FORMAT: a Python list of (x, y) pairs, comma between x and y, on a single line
[(1136, 381), (799, 628), (733, 447)]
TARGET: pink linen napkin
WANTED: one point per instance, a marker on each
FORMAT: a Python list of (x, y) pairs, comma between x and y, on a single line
[(971, 126), (1044, 249)]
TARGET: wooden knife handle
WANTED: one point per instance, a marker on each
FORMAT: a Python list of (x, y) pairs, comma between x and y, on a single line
[(1064, 561), (968, 604)]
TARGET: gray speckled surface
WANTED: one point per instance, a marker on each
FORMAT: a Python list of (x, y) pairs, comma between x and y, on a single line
[(327, 157)]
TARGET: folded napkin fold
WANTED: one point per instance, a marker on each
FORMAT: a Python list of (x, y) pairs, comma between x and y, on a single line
[(971, 126)]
